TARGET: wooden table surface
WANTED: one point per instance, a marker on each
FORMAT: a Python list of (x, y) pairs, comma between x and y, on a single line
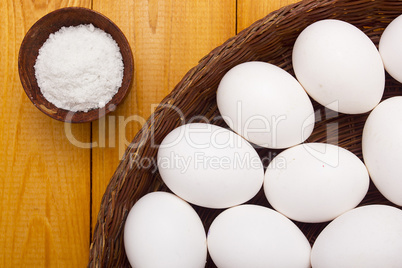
[(53, 174)]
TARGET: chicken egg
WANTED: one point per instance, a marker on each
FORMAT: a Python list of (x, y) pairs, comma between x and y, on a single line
[(162, 231), (210, 166), (367, 237), (315, 182), (255, 236), (382, 148), (390, 48), (266, 105), (339, 66)]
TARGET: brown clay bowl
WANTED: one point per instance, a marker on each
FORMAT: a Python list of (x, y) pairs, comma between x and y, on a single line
[(38, 34)]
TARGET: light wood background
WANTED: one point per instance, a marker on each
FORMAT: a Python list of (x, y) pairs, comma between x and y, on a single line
[(51, 183)]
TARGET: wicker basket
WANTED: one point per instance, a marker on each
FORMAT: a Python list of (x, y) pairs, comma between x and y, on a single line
[(270, 39)]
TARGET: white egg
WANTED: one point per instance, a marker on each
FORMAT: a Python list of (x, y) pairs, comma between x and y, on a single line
[(315, 182), (390, 48), (210, 166), (265, 105), (163, 231), (339, 66), (366, 237), (258, 237), (382, 148)]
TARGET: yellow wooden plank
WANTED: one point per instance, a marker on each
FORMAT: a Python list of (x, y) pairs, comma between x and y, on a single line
[(249, 11), (44, 178), (167, 37)]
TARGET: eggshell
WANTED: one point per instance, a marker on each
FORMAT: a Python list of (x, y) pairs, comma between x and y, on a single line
[(162, 230), (265, 105), (210, 166), (339, 66), (256, 236), (315, 182), (367, 237), (382, 148), (390, 48)]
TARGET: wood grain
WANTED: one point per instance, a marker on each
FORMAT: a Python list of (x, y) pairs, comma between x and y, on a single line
[(46, 206), (249, 11), (44, 179), (167, 39)]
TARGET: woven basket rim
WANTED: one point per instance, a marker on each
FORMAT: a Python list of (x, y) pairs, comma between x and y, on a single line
[(201, 81)]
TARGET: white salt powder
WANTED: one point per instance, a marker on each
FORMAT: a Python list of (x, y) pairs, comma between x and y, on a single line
[(79, 68)]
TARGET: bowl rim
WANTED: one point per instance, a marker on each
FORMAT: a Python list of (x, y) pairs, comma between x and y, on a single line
[(61, 114)]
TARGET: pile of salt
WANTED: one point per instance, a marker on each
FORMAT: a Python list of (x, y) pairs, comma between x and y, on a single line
[(79, 68)]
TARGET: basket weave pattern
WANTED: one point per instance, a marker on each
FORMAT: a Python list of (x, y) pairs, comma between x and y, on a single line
[(271, 40)]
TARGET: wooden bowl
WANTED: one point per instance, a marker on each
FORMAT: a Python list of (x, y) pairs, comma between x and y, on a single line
[(39, 33)]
